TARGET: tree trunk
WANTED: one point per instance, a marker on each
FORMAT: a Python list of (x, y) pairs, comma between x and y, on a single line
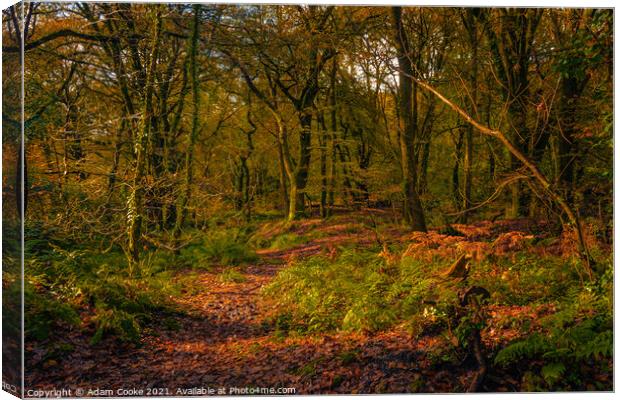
[(470, 22), (116, 158), (423, 184), (288, 166), (282, 178), (342, 151), (332, 136), (517, 119), (567, 152), (245, 189), (489, 142), (135, 206), (189, 157), (511, 47), (413, 214), (458, 155), (303, 163), (323, 152)]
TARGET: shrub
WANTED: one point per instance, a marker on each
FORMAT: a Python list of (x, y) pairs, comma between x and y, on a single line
[(580, 333), (59, 283), (285, 241), (122, 301), (524, 277), (44, 313), (357, 291), (361, 291), (125, 325), (222, 246)]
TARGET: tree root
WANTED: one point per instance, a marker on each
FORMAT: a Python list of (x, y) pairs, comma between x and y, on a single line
[(473, 297), (476, 346)]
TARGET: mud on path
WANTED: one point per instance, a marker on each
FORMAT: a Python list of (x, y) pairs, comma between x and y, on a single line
[(223, 341)]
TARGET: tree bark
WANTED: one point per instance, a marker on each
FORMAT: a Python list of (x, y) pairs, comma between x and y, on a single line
[(332, 135), (470, 22), (282, 178), (413, 214), (303, 161), (323, 160), (511, 46), (458, 155), (189, 158), (135, 206)]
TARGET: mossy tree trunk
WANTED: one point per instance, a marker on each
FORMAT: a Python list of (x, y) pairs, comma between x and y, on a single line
[(135, 202), (189, 157)]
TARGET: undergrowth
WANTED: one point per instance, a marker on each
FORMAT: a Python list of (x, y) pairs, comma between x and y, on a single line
[(61, 283), (96, 290), (223, 246), (357, 291), (361, 291), (284, 235), (574, 343)]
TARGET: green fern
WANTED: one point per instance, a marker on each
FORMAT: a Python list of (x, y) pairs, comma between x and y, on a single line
[(580, 332), (123, 324), (553, 372), (531, 347), (561, 349), (600, 346)]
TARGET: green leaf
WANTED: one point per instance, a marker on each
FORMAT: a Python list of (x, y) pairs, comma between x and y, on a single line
[(552, 373)]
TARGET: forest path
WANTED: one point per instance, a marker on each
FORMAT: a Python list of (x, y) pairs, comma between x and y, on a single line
[(221, 337), (222, 341)]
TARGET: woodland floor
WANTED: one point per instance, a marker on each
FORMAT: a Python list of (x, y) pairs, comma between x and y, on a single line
[(222, 341)]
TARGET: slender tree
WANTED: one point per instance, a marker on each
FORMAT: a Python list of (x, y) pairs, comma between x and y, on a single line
[(135, 202), (193, 134), (413, 214)]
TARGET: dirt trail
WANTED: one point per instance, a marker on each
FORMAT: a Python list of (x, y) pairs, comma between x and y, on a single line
[(221, 341)]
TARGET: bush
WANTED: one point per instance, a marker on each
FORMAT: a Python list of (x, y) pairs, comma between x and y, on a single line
[(125, 325), (578, 335), (358, 291), (121, 301), (524, 277), (222, 247), (44, 313), (59, 283), (361, 291)]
